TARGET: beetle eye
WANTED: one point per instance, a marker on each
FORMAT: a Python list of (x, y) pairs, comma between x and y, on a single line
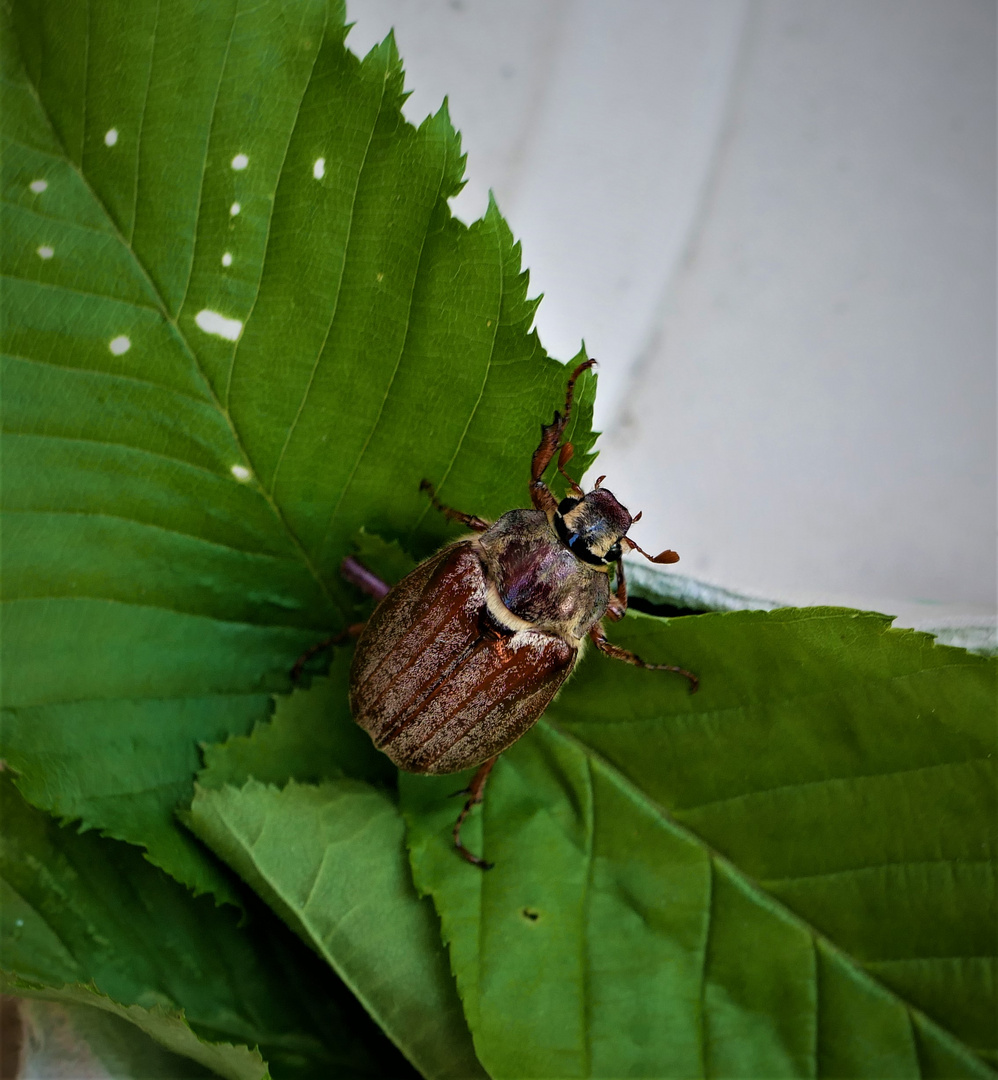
[(567, 504), (614, 554)]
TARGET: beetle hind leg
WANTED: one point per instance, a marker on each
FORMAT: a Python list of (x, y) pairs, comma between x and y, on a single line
[(352, 631), (471, 520), (475, 792), (604, 646)]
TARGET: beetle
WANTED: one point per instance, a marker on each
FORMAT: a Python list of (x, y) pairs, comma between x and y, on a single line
[(462, 656)]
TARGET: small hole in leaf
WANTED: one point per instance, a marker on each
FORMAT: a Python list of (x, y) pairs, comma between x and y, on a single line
[(120, 344), (319, 168), (530, 914), (111, 137), (239, 162), (211, 322), (241, 473), (227, 259), (234, 209), (45, 252), (38, 186)]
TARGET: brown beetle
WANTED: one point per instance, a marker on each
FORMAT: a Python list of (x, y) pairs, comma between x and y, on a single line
[(461, 657)]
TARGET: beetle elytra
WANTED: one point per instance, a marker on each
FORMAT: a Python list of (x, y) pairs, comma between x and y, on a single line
[(463, 655)]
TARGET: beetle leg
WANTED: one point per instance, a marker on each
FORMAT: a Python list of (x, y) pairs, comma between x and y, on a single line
[(617, 607), (471, 520), (475, 796), (540, 494), (566, 455), (604, 646), (353, 630)]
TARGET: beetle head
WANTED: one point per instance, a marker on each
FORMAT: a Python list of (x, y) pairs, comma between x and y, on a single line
[(592, 526)]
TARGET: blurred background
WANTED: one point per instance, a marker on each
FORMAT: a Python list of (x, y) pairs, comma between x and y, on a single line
[(773, 222)]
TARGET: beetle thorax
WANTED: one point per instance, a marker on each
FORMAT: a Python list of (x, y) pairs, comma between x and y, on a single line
[(539, 580)]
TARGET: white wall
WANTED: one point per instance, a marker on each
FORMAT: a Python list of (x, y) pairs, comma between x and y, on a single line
[(774, 224)]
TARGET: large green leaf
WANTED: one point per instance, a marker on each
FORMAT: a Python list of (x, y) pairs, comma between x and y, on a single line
[(789, 873), (177, 503), (87, 920)]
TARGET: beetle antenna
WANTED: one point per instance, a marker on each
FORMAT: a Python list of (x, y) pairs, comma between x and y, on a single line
[(637, 516), (662, 557), (563, 459), (599, 480)]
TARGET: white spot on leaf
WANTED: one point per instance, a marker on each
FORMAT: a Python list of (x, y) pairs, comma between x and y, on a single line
[(241, 473), (239, 162), (227, 259), (319, 168), (234, 209), (45, 252), (120, 344), (38, 186), (111, 137), (213, 323)]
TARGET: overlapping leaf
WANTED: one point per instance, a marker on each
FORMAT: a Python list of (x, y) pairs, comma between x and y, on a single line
[(87, 920), (345, 887), (175, 176), (790, 873)]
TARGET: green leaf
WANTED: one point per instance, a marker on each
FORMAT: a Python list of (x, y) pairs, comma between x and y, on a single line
[(89, 920), (330, 859), (177, 503), (789, 873)]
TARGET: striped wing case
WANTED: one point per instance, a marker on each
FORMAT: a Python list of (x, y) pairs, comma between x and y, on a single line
[(437, 683)]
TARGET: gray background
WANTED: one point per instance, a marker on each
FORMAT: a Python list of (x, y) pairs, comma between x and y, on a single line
[(774, 224)]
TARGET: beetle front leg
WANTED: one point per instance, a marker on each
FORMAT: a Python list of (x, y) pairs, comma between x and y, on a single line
[(550, 444), (604, 646), (617, 608), (471, 520), (474, 791)]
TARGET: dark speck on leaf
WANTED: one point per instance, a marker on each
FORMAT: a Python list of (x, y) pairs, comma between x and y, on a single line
[(529, 913)]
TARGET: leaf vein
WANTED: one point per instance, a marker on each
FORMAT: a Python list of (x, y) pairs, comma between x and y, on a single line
[(336, 302), (81, 292), (395, 371), (142, 124), (481, 393), (204, 158), (823, 782), (270, 218), (103, 373), (154, 525)]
